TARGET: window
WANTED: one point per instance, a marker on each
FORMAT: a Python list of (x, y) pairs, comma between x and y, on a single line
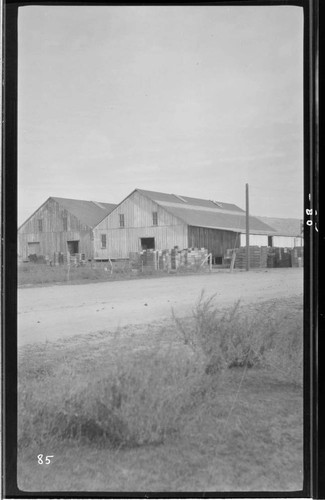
[(155, 218), (121, 220), (40, 225), (65, 224), (103, 240)]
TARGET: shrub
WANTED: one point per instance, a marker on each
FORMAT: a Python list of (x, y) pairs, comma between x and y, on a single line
[(262, 336)]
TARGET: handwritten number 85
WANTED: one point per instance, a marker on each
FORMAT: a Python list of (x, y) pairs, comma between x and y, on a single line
[(47, 459)]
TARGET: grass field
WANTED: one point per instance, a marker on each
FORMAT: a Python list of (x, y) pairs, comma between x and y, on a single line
[(143, 410), (41, 274), (36, 274)]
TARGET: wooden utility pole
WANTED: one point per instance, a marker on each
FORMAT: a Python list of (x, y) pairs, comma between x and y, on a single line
[(247, 228)]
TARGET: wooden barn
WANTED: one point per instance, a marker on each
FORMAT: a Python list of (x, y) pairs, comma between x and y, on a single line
[(151, 220), (288, 232), (61, 225)]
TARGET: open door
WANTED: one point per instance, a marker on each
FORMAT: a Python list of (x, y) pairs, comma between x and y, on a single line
[(73, 247), (147, 243)]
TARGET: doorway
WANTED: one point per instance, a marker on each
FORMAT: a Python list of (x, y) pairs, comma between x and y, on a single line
[(73, 246), (147, 243), (33, 248)]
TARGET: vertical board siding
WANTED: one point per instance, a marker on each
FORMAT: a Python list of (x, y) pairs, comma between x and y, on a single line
[(53, 238), (120, 242), (215, 240), (138, 223), (138, 210)]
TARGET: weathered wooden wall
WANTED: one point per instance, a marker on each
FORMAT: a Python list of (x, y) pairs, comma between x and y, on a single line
[(216, 241), (137, 210), (53, 238)]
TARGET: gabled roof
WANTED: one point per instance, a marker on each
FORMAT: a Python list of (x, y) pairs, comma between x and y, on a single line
[(88, 212), (283, 227), (181, 200), (207, 213)]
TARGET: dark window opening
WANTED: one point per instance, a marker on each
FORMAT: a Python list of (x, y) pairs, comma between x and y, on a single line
[(73, 247), (103, 240), (155, 218), (147, 243), (269, 241), (122, 220), (40, 225), (65, 224), (33, 249)]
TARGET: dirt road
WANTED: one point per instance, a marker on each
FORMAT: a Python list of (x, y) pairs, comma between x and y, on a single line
[(50, 313)]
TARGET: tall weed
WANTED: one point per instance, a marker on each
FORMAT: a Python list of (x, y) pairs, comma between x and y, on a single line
[(263, 335)]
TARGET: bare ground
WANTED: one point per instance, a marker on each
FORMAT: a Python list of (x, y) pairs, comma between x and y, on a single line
[(57, 312)]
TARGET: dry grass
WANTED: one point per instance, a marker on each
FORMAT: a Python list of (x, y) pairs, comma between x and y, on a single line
[(267, 338), (40, 274), (134, 402), (32, 274), (139, 411)]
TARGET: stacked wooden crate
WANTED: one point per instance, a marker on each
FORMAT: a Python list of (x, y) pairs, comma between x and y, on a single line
[(196, 256), (297, 256), (76, 259), (164, 260), (263, 262), (149, 259), (58, 258), (188, 257), (279, 257), (169, 260), (257, 257)]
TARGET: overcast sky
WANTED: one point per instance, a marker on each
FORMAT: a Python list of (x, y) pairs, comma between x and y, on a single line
[(195, 101)]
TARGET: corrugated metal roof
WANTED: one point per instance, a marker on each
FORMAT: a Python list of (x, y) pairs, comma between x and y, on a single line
[(88, 212), (283, 227), (176, 198), (220, 220), (206, 213)]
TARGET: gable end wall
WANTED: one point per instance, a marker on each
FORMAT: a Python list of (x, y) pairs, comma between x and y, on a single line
[(138, 210), (53, 238)]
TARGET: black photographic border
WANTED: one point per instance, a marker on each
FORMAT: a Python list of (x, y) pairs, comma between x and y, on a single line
[(314, 451)]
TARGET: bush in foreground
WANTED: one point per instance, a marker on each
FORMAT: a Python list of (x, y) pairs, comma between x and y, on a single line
[(143, 395), (265, 336)]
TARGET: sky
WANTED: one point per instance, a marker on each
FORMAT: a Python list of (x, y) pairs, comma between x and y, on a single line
[(190, 100)]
